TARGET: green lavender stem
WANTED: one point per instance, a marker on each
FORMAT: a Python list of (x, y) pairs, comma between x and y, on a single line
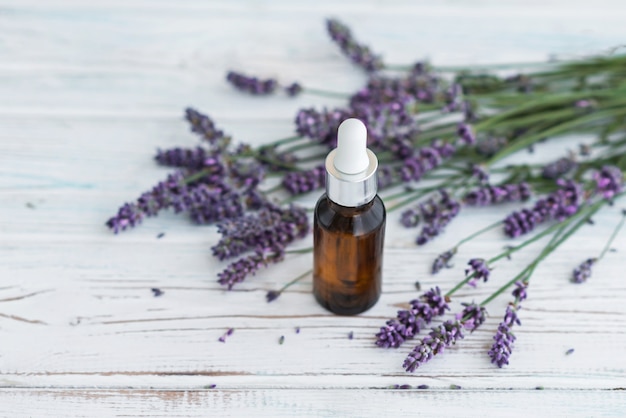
[(613, 235)]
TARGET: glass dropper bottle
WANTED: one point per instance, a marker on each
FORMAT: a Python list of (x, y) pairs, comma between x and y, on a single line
[(349, 227)]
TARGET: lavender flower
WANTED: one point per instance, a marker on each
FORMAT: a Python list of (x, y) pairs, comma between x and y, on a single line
[(321, 126), (269, 228), (480, 174), (443, 260), (466, 134), (491, 195), (293, 89), (247, 173), (436, 216), (208, 204), (228, 333), (609, 181), (252, 85), (558, 205), (409, 322), (203, 126), (438, 339), (240, 269), (300, 182), (165, 194), (558, 168), (519, 293), (503, 340), (453, 98), (360, 54), (192, 158), (410, 218), (472, 316), (425, 160), (478, 270), (383, 119), (583, 272)]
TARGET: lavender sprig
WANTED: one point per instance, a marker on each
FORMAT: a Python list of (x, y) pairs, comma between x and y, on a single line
[(609, 181), (503, 340), (360, 54), (252, 85), (409, 322), (246, 266), (192, 158), (479, 269), (436, 216), (558, 205), (300, 182), (493, 195), (203, 126)]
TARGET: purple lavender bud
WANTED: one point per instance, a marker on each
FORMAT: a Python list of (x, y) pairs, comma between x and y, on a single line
[(300, 182), (478, 269), (293, 89), (488, 147), (480, 174), (272, 295), (251, 85), (558, 168), (247, 174), (466, 134), (472, 316), (360, 54), (492, 195), (165, 194), (409, 322), (227, 334), (503, 340), (410, 218), (208, 204), (436, 216), (608, 181), (270, 228), (400, 145), (383, 119), (453, 98), (558, 205), (438, 339), (321, 126), (203, 125), (425, 160), (583, 272), (192, 158), (249, 265), (519, 293), (443, 260)]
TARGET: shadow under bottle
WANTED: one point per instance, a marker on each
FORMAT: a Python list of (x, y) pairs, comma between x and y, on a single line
[(348, 255)]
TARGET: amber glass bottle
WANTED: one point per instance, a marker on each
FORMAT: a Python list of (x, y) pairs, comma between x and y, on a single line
[(348, 254), (349, 227)]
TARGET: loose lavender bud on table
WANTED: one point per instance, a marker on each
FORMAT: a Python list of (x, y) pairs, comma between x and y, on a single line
[(252, 85), (479, 269), (608, 181), (583, 271), (359, 54), (226, 334), (272, 295), (203, 125), (503, 340), (558, 168), (442, 260), (300, 182)]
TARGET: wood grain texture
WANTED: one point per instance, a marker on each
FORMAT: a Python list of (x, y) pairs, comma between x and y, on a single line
[(91, 89)]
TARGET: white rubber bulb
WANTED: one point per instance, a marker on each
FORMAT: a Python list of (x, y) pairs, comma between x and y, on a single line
[(351, 155)]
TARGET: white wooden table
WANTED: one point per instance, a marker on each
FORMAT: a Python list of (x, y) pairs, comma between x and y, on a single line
[(90, 90)]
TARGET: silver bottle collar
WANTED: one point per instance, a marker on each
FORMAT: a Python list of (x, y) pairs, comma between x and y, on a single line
[(351, 190)]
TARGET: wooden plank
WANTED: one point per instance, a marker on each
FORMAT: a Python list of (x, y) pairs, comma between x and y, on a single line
[(309, 403)]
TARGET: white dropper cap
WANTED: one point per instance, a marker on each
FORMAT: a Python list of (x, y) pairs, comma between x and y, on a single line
[(351, 155), (351, 168)]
